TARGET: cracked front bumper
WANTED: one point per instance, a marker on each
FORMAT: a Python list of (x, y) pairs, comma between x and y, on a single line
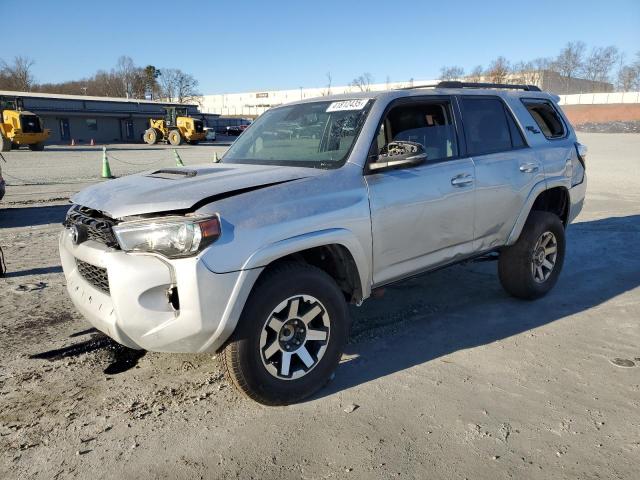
[(134, 309)]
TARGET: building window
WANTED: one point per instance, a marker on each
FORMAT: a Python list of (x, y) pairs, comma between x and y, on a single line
[(92, 124)]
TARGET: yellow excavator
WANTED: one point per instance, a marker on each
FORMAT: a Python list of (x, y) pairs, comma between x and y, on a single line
[(19, 127), (176, 127)]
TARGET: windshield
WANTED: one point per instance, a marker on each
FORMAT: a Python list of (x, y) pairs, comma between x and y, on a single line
[(317, 135)]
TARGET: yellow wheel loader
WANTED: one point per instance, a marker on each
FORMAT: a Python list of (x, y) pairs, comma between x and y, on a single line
[(176, 127), (19, 127)]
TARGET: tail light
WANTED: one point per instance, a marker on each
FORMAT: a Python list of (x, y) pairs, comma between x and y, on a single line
[(579, 167)]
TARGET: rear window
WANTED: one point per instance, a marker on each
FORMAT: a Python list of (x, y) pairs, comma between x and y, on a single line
[(546, 116), (488, 127)]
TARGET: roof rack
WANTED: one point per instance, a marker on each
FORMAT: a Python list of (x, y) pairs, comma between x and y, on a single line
[(457, 84)]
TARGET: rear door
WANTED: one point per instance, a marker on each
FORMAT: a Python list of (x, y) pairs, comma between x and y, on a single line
[(421, 216), (506, 168)]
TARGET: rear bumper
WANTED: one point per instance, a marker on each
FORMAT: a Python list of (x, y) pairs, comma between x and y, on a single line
[(136, 312)]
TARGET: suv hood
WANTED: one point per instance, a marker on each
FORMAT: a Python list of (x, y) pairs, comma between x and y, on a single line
[(183, 188)]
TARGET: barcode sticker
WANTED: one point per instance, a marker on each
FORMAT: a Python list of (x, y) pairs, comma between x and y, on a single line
[(357, 104)]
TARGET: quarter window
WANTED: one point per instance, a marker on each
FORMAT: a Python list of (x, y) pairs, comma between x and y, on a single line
[(546, 116), (486, 126)]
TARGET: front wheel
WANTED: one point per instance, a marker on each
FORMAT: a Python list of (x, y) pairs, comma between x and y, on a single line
[(290, 336), (150, 136), (37, 147), (530, 268)]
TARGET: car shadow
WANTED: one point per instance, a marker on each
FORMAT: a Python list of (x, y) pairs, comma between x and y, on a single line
[(34, 271), (427, 317), (32, 216)]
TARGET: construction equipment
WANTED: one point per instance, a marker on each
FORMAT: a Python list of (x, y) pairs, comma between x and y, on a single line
[(175, 127), (19, 127)]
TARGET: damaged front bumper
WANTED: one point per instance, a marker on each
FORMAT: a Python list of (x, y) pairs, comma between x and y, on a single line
[(126, 296)]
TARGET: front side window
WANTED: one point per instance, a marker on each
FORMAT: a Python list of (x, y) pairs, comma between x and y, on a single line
[(429, 123), (546, 117), (486, 126), (317, 135)]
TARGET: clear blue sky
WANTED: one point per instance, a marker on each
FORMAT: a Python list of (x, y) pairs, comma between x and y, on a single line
[(251, 45)]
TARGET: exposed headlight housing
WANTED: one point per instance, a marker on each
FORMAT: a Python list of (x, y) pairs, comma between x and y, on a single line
[(172, 237)]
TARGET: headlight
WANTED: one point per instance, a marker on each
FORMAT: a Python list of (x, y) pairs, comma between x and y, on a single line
[(171, 236)]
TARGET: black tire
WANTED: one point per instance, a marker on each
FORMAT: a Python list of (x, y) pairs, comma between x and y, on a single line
[(517, 263), (193, 142), (175, 138), (5, 144), (243, 357), (37, 147), (150, 136)]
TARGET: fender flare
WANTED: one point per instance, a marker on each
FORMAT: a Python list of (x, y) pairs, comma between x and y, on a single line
[(537, 189), (340, 236)]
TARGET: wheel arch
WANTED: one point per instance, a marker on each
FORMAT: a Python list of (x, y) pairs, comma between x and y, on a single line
[(335, 251), (547, 196)]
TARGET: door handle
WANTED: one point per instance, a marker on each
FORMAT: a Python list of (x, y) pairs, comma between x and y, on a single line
[(529, 168), (461, 180)]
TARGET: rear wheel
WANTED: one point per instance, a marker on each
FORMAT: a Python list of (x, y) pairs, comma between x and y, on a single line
[(530, 268), (175, 138), (151, 136), (290, 336), (37, 147), (5, 144)]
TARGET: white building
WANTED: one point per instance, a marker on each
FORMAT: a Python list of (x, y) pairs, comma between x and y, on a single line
[(255, 103)]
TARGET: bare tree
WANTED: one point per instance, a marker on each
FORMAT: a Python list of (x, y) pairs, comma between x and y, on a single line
[(363, 82), (476, 74), (598, 65), (570, 60), (328, 90), (498, 70), (629, 76), (451, 73), (17, 75), (178, 86)]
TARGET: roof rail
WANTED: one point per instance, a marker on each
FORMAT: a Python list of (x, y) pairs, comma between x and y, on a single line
[(454, 84), (458, 84)]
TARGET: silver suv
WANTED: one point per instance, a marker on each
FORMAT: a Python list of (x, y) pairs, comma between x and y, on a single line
[(316, 204)]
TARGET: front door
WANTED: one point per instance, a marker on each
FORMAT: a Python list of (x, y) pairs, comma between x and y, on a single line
[(65, 132), (422, 216)]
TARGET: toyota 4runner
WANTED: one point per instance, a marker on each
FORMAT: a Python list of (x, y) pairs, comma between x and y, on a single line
[(317, 203)]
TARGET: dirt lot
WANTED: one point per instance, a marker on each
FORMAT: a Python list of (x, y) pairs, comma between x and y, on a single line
[(451, 378)]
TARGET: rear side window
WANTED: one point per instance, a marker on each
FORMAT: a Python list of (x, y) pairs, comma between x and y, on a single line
[(488, 127), (546, 116)]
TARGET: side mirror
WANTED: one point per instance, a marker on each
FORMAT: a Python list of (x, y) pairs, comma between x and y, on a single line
[(400, 154)]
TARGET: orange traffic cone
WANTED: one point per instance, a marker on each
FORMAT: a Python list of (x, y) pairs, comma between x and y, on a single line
[(73, 142), (93, 143)]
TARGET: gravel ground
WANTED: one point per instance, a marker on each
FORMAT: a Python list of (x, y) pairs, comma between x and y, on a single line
[(445, 376)]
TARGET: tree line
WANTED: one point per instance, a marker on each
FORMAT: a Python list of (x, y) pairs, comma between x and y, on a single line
[(600, 64), (124, 80)]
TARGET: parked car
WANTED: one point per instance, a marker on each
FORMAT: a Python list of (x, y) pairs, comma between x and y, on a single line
[(236, 130), (2, 184), (259, 255)]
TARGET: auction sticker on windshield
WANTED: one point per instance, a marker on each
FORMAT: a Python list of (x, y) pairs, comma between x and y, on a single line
[(357, 104)]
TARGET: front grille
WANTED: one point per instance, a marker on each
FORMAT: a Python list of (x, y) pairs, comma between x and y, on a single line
[(96, 276), (97, 226)]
